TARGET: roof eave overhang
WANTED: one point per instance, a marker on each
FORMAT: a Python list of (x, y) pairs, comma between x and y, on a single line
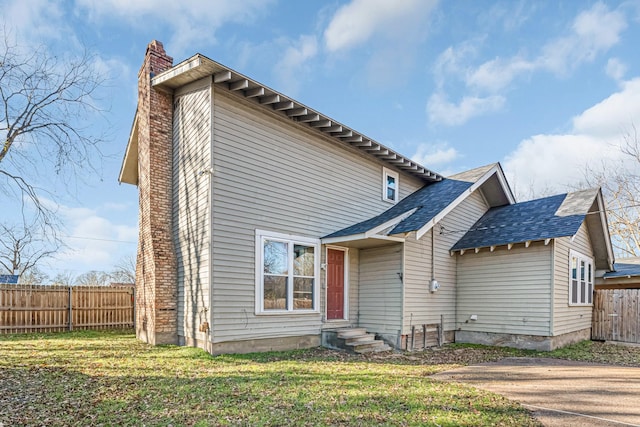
[(508, 245), (129, 168), (199, 66), (605, 230), (346, 240), (378, 232), (495, 170)]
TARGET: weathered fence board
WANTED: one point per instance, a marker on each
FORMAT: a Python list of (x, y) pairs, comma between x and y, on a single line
[(29, 308), (616, 315)]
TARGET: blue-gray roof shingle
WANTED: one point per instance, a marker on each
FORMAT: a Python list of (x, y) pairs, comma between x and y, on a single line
[(527, 221), (429, 201), (622, 270)]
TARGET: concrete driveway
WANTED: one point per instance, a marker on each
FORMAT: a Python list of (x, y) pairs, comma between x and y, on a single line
[(560, 392)]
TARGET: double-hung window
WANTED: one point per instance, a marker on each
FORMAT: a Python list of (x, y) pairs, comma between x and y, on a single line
[(580, 279), (287, 273), (390, 185)]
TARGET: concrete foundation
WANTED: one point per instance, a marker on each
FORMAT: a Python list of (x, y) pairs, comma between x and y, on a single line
[(525, 342), (254, 346)]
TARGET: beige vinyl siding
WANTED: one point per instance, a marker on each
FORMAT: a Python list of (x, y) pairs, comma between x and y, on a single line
[(509, 290), (569, 318), (422, 306), (381, 289), (274, 175), (354, 283), (191, 207)]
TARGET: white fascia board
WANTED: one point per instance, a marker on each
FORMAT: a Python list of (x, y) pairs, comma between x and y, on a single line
[(505, 185), (193, 62), (605, 229), (390, 238), (373, 233), (392, 222), (127, 160), (340, 239), (494, 170)]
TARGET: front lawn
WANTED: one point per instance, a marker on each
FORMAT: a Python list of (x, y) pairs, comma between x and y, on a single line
[(109, 378)]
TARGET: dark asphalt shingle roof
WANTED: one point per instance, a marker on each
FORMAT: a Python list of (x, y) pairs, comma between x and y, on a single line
[(540, 219), (430, 200), (623, 270)]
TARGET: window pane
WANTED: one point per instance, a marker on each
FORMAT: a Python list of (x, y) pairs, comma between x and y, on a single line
[(391, 181), (303, 260), (275, 292), (391, 193), (589, 272), (574, 291), (275, 257), (574, 268), (302, 293), (582, 275), (590, 293), (583, 293)]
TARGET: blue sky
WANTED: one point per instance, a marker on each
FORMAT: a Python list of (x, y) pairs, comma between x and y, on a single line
[(544, 87)]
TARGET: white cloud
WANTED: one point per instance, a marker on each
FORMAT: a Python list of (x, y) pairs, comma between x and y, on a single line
[(441, 110), (357, 22), (612, 115), (498, 73), (42, 18), (615, 69), (93, 241), (191, 20), (593, 32), (291, 68), (429, 155), (556, 161), (452, 61)]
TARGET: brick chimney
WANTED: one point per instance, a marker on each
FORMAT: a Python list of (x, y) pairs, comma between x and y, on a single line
[(156, 272)]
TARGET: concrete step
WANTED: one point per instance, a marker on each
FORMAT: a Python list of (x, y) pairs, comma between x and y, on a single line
[(361, 339), (351, 332), (355, 340), (373, 347)]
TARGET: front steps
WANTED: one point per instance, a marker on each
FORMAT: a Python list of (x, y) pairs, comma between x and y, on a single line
[(354, 340)]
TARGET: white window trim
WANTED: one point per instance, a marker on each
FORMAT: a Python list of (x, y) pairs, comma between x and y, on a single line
[(385, 173), (261, 235), (345, 303), (588, 264)]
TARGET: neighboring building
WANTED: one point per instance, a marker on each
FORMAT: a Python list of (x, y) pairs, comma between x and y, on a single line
[(626, 275), (266, 225)]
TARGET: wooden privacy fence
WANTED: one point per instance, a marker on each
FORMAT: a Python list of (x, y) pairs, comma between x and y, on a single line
[(616, 315), (37, 308)]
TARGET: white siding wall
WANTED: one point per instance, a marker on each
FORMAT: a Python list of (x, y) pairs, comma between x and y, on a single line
[(274, 175), (381, 289), (568, 319), (191, 154), (509, 290), (421, 306)]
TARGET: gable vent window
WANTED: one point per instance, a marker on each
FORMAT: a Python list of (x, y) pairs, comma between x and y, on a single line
[(580, 279), (390, 185)]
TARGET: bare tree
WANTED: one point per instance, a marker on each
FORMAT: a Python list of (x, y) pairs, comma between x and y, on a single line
[(64, 278), (34, 276), (620, 183), (23, 247), (46, 106), (125, 271), (93, 278)]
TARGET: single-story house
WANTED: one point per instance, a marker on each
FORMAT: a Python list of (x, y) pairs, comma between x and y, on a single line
[(267, 225)]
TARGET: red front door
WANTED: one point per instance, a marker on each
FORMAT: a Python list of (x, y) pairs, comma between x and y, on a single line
[(335, 284)]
